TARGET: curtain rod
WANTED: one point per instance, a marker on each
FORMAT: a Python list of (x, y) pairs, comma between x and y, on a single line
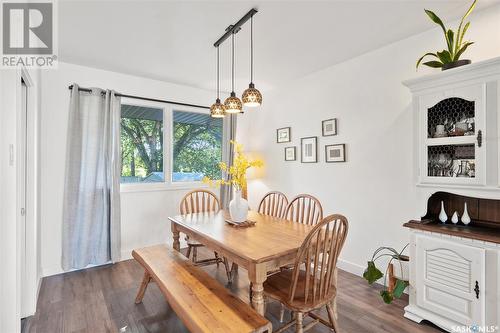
[(147, 99)]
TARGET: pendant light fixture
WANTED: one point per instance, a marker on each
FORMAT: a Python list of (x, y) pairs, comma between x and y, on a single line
[(251, 97), (233, 103), (217, 110)]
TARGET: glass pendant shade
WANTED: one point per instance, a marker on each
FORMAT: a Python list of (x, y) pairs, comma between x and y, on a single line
[(251, 97), (233, 104), (217, 110)]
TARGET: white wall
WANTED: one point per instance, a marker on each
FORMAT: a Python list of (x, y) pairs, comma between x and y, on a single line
[(375, 188), (144, 213)]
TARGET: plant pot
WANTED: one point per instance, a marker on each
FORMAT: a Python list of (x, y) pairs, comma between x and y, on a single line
[(454, 64), (238, 208)]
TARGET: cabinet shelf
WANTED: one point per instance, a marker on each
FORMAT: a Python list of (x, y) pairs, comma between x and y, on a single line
[(451, 140)]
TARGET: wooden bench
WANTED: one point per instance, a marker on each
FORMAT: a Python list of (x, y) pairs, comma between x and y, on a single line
[(202, 303)]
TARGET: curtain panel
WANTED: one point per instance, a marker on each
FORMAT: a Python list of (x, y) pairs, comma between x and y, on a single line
[(91, 212), (229, 133)]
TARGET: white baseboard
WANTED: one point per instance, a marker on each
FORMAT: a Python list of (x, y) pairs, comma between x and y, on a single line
[(350, 267)]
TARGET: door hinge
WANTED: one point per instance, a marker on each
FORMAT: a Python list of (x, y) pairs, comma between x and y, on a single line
[(476, 289), (23, 211), (479, 138)]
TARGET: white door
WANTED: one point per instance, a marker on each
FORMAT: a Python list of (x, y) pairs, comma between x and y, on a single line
[(450, 280), (22, 182)]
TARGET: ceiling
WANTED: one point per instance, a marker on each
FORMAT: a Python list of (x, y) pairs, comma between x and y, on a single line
[(172, 40)]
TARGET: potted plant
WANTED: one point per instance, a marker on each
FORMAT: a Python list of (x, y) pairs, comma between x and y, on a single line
[(398, 277), (235, 176), (456, 46)]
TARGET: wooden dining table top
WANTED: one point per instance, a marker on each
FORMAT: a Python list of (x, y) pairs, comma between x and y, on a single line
[(267, 239)]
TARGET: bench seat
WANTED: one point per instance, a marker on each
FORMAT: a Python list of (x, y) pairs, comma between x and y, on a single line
[(201, 302)]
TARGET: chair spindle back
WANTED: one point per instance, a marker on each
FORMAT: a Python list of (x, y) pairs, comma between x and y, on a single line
[(198, 201), (304, 208), (273, 204), (319, 252)]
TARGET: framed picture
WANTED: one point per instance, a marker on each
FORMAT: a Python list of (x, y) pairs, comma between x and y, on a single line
[(309, 149), (290, 153), (335, 153), (329, 127), (283, 135)]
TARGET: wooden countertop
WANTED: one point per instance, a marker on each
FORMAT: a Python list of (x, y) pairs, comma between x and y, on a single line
[(473, 232)]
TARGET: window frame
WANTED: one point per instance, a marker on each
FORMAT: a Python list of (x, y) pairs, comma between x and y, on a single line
[(168, 140)]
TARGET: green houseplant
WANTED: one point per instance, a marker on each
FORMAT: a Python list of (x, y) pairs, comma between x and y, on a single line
[(372, 273), (456, 46)]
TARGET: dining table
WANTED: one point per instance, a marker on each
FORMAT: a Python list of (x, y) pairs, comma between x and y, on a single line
[(265, 246)]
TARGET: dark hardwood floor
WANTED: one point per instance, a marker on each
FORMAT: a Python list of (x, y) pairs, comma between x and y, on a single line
[(102, 300)]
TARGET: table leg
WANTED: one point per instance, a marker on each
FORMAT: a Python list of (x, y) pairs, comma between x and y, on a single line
[(176, 236), (257, 275)]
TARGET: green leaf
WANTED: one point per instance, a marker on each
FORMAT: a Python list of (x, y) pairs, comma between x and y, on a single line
[(387, 296), (444, 56), (438, 21), (399, 288), (433, 64), (459, 41), (467, 13), (462, 50), (372, 273), (449, 40), (435, 19), (425, 55)]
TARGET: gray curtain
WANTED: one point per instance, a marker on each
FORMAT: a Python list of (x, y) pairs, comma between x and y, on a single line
[(91, 212), (229, 133)]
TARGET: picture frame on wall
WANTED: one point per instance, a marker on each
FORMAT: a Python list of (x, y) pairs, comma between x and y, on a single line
[(335, 153), (329, 127), (309, 149), (283, 135), (290, 153)]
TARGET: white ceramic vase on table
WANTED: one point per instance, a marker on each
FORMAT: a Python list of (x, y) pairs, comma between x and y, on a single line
[(238, 207)]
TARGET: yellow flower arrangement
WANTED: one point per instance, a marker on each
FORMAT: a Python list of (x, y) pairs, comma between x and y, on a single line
[(235, 175)]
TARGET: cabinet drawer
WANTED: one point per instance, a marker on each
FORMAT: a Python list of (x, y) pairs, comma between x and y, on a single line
[(450, 279)]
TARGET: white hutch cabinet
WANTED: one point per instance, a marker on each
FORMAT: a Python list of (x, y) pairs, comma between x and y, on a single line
[(457, 125), (455, 269)]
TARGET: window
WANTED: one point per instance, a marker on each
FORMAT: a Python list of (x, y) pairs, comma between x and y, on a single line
[(165, 146), (141, 144), (197, 146)]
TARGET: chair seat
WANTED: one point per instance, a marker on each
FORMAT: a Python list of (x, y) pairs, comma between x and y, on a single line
[(192, 242), (277, 286)]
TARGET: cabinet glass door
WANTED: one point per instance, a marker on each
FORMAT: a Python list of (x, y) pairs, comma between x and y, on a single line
[(452, 131)]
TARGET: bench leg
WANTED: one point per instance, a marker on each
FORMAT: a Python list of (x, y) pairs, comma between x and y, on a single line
[(142, 289)]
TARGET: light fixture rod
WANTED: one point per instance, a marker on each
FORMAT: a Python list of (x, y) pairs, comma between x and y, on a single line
[(217, 72), (236, 27)]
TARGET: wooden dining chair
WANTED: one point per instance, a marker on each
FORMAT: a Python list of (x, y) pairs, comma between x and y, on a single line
[(273, 204), (304, 208), (200, 201), (312, 283)]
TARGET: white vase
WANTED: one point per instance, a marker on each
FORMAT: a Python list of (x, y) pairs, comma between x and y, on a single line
[(238, 207), (454, 218), (465, 217), (442, 215)]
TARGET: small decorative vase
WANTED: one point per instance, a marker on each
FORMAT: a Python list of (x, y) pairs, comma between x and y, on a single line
[(238, 208), (454, 218), (442, 215), (465, 217)]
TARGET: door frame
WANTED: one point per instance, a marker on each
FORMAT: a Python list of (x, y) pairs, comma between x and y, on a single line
[(29, 284)]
